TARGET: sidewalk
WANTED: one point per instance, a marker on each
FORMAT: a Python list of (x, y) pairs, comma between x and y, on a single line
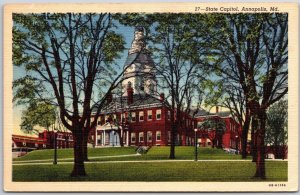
[(96, 157), (130, 161)]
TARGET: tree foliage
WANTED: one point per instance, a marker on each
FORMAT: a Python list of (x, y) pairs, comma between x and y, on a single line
[(177, 42), (250, 51), (68, 58), (38, 114), (276, 128), (213, 128)]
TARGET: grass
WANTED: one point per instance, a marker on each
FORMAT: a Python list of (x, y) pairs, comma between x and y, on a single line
[(188, 153), (154, 171), (68, 153), (146, 171), (155, 153)]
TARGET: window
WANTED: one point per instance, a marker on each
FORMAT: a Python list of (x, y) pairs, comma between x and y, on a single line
[(132, 137), (141, 116), (149, 113), (158, 114), (158, 135), (149, 136), (141, 137), (98, 139), (133, 117), (169, 115)]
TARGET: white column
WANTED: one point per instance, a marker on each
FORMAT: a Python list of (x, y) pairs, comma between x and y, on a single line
[(127, 138), (96, 138), (103, 138)]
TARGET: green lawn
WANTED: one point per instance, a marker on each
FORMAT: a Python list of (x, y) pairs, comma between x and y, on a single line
[(68, 153), (188, 153), (155, 153), (146, 171), (153, 171)]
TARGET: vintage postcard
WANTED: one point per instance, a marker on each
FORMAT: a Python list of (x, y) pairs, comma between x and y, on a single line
[(151, 97)]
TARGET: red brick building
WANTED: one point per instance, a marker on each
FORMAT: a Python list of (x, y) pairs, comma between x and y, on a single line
[(45, 140), (229, 138), (138, 116)]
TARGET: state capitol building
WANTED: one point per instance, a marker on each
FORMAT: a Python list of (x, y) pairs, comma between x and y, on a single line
[(139, 115)]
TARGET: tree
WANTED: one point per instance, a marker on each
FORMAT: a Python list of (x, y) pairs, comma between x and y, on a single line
[(177, 44), (276, 129), (223, 91), (69, 59), (251, 50), (213, 128), (37, 114), (179, 47)]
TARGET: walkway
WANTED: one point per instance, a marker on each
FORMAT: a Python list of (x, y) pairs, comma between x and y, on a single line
[(34, 162)]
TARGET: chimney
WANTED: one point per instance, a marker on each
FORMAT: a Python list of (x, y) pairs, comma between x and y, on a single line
[(109, 98), (162, 97), (129, 93), (217, 109)]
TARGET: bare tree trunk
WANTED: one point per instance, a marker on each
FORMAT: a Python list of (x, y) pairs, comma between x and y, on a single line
[(174, 123), (220, 141), (254, 139), (245, 135), (78, 168), (260, 161), (173, 137), (85, 145)]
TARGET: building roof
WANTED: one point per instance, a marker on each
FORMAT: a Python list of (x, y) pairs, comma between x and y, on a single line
[(202, 113), (142, 57), (139, 101), (138, 53), (224, 114)]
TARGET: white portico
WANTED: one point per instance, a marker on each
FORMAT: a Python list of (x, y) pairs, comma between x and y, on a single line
[(108, 135)]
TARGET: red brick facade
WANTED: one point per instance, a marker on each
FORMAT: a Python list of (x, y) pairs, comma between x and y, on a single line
[(45, 140), (151, 126), (230, 138)]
